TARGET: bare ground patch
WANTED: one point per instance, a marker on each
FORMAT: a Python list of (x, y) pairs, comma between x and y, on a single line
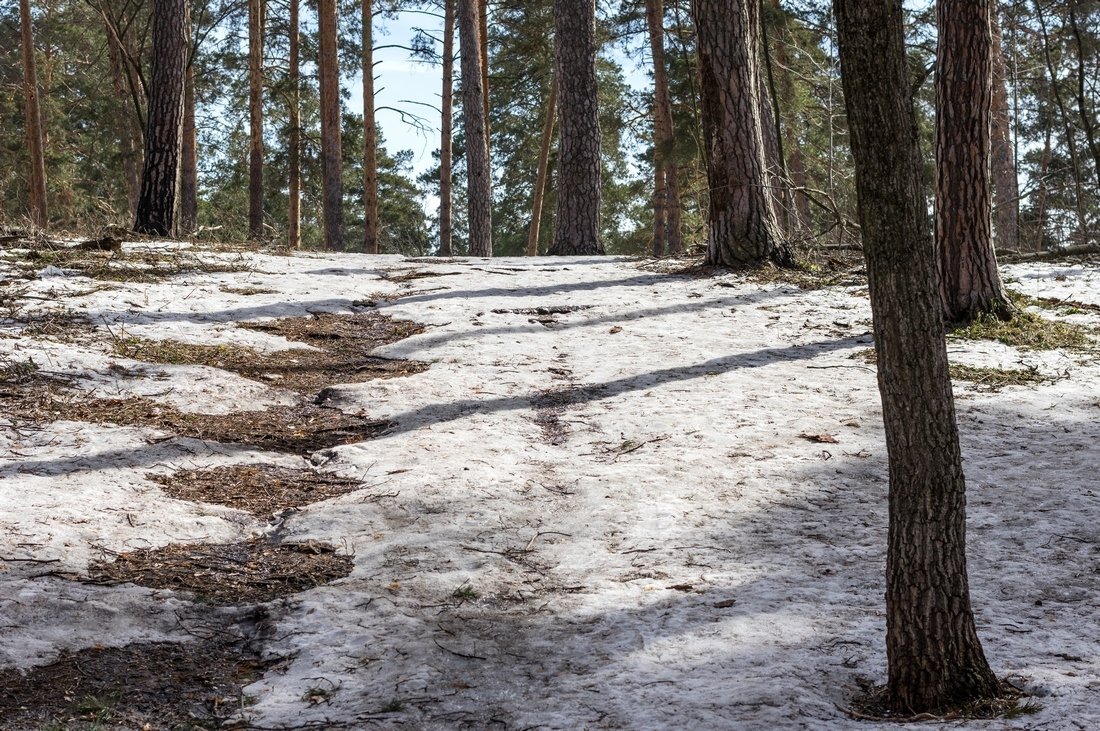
[(116, 265), (250, 572), (262, 490), (154, 686)]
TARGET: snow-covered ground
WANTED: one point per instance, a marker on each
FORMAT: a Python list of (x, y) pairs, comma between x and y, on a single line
[(684, 555)]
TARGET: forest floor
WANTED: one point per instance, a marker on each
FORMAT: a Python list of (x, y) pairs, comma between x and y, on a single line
[(253, 490)]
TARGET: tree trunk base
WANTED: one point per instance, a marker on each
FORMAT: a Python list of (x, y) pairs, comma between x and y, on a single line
[(1000, 699)]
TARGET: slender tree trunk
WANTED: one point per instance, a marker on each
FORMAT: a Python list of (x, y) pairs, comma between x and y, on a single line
[(577, 226), (33, 115), (129, 140), (157, 203), (331, 153), (935, 659), (777, 176), (1088, 122), (483, 35), (370, 136), (801, 216), (1006, 186), (189, 157), (970, 283), (256, 12), (478, 174), (1042, 194), (446, 136), (666, 199), (541, 178), (744, 230), (294, 161)]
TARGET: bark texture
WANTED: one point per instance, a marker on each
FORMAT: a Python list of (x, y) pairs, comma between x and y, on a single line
[(163, 127), (577, 222), (257, 10), (744, 230), (935, 659), (35, 140), (446, 135), (1006, 186), (370, 136), (666, 194), (970, 283), (478, 174), (294, 154), (331, 156), (543, 174)]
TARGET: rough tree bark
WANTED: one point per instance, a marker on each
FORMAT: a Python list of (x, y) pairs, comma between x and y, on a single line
[(370, 136), (1002, 163), (934, 656), (577, 224), (157, 202), (541, 177), (331, 156), (744, 230), (445, 134), (33, 115), (970, 283), (666, 199), (294, 154), (479, 182), (257, 10)]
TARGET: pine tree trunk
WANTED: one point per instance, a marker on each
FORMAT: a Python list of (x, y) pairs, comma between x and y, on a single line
[(801, 216), (541, 177), (370, 136), (666, 199), (970, 283), (577, 224), (1088, 123), (157, 203), (935, 659), (1006, 186), (744, 230), (331, 152), (129, 140), (446, 135), (33, 115), (483, 36), (189, 161), (478, 174), (256, 12), (294, 154)]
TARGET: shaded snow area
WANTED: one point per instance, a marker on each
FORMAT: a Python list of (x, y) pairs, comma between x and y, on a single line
[(664, 508)]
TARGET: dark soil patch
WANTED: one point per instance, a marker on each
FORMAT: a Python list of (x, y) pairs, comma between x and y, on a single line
[(555, 310), (300, 429), (552, 403), (248, 291), (262, 490), (228, 573), (342, 351), (155, 686), (416, 274)]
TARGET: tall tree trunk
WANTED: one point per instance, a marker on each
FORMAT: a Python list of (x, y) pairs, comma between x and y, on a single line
[(776, 164), (970, 283), (479, 183), (666, 199), (935, 659), (541, 177), (445, 135), (331, 153), (370, 136), (744, 230), (33, 115), (483, 35), (801, 216), (1042, 193), (157, 203), (129, 136), (577, 225), (1088, 122), (294, 161), (189, 157), (256, 12), (1006, 186)]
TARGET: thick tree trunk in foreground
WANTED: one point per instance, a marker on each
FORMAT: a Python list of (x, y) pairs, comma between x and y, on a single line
[(331, 153), (666, 198), (744, 230), (577, 224), (970, 283), (479, 183), (1002, 166), (541, 177), (935, 659), (256, 12), (39, 213), (446, 135), (157, 202), (294, 154), (370, 136)]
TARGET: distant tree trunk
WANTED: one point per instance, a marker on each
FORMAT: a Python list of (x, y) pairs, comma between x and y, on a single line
[(1042, 193), (483, 35), (1006, 186), (775, 164), (256, 12), (370, 136), (801, 217), (294, 161), (744, 230), (1088, 122), (577, 225), (33, 114), (479, 182), (189, 161), (541, 177), (129, 136), (970, 283), (446, 135), (666, 198), (157, 203), (935, 659), (331, 153)]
